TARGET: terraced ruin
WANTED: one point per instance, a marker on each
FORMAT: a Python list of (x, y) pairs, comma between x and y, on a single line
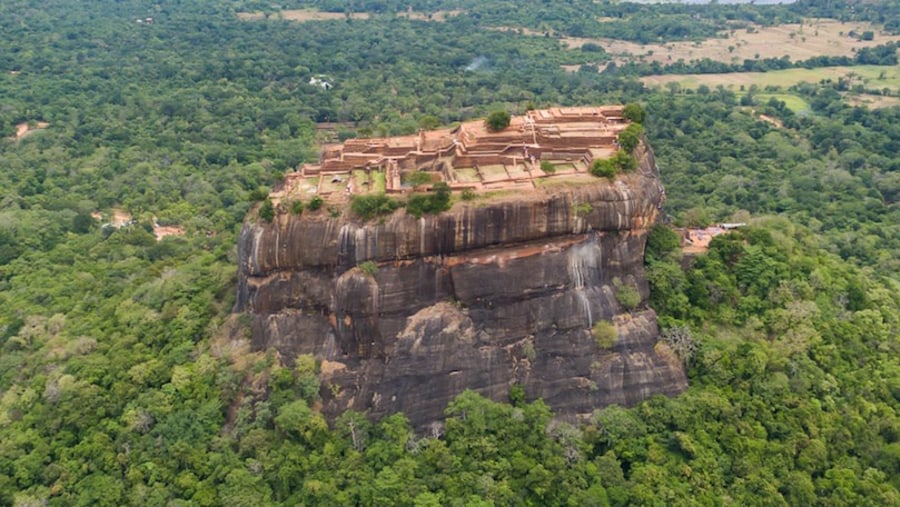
[(541, 145)]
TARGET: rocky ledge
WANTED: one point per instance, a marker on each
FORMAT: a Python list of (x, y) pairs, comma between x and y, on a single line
[(405, 313)]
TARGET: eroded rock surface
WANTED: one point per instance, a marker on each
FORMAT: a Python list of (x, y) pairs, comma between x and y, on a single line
[(492, 293)]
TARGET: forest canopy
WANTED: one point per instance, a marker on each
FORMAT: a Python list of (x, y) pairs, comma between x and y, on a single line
[(126, 380)]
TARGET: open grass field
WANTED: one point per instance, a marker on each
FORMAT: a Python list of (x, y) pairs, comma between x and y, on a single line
[(815, 37), (871, 76), (793, 102)]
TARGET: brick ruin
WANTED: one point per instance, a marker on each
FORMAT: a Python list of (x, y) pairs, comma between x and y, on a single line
[(466, 157)]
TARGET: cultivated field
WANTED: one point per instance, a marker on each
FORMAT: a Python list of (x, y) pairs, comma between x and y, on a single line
[(815, 37)]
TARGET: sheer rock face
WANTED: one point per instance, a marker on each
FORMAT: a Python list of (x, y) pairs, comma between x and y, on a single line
[(492, 293)]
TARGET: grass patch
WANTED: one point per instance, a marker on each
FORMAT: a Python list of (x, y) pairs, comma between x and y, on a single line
[(793, 102), (870, 76), (572, 180), (361, 180), (493, 172), (378, 182), (467, 175)]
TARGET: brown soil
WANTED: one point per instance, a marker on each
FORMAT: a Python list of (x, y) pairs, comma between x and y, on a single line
[(120, 217), (327, 368), (773, 121), (161, 231), (22, 129)]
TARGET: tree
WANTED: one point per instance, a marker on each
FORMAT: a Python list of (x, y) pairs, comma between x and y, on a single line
[(603, 168), (634, 112), (631, 137), (267, 210), (624, 161), (436, 201), (371, 205), (497, 120)]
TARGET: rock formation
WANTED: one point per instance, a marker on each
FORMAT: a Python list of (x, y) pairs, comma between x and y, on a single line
[(406, 313)]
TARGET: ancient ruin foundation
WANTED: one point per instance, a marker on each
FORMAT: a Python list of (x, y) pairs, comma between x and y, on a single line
[(466, 157)]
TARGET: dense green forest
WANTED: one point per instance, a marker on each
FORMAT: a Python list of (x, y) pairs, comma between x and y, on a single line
[(120, 379)]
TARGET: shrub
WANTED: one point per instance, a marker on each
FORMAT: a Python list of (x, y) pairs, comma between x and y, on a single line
[(82, 223), (631, 137), (297, 207), (627, 294), (429, 122), (258, 194), (623, 161), (434, 202), (370, 206), (315, 203), (517, 395), (662, 242), (497, 120), (605, 334), (584, 209), (369, 268), (468, 194), (548, 167), (307, 374), (603, 168), (267, 210), (634, 112), (681, 340)]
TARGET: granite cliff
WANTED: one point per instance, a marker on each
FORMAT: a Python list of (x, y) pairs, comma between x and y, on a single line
[(404, 313)]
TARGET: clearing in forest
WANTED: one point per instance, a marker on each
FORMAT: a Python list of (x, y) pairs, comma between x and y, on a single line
[(439, 16), (871, 101), (23, 129), (815, 37), (792, 102)]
